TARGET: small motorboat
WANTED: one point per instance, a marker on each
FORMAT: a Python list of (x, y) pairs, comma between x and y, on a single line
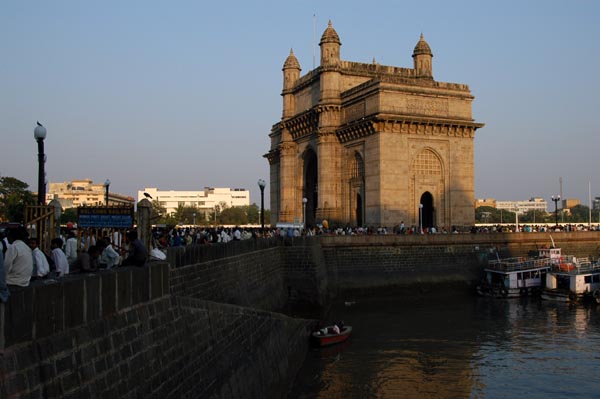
[(327, 335)]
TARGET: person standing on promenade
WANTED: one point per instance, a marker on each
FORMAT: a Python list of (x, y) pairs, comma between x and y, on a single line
[(18, 261), (59, 257), (41, 268)]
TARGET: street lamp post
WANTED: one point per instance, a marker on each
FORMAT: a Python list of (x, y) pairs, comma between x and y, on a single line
[(40, 134), (262, 184), (421, 218), (106, 186), (556, 198), (304, 201)]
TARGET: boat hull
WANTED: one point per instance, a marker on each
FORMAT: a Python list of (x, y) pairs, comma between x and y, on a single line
[(559, 295), (331, 339), (508, 293)]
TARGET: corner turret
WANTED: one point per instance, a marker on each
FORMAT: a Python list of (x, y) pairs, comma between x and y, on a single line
[(291, 74), (422, 59), (330, 47)]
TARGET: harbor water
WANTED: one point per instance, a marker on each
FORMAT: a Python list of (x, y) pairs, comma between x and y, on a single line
[(456, 345)]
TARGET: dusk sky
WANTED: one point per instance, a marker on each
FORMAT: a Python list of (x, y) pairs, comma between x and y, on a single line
[(182, 94)]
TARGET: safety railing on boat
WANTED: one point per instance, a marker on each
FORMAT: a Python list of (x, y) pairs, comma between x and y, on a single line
[(520, 263), (576, 266)]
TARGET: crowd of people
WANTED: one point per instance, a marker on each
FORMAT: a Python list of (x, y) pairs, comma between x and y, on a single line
[(22, 261), (182, 236)]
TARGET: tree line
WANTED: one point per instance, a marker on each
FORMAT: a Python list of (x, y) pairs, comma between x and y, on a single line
[(222, 214), (576, 214)]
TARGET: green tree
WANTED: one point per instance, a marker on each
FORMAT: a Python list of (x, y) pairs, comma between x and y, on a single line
[(579, 214), (14, 195), (68, 215), (534, 216), (488, 214), (234, 215), (185, 214), (158, 211), (253, 213)]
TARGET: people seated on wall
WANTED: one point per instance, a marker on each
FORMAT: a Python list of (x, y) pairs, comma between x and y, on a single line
[(59, 258), (86, 262), (138, 253), (18, 260), (41, 267), (108, 256)]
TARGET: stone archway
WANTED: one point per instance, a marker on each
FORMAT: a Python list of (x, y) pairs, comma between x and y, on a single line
[(359, 210), (428, 212), (357, 188), (310, 189)]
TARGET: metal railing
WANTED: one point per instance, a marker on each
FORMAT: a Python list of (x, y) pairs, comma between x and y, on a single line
[(518, 264)]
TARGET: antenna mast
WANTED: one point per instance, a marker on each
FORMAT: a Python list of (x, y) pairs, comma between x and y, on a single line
[(560, 183), (314, 37)]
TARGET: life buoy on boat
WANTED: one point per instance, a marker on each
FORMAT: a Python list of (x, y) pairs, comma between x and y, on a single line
[(503, 292), (566, 267)]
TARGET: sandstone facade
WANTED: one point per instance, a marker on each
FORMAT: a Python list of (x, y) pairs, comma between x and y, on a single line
[(370, 144)]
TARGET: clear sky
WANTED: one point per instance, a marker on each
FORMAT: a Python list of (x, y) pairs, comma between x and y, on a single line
[(182, 94)]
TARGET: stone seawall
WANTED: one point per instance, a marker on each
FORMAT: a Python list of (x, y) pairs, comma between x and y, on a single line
[(46, 308), (290, 271), (372, 262), (166, 348), (207, 327), (254, 279), (124, 334)]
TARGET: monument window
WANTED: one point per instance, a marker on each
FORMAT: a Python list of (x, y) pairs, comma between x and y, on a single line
[(427, 163), (358, 167)]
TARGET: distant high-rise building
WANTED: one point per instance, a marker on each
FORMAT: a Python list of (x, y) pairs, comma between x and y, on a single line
[(491, 202), (206, 200), (569, 203), (521, 207), (84, 193)]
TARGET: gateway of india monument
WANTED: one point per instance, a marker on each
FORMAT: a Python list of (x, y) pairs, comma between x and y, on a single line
[(372, 145)]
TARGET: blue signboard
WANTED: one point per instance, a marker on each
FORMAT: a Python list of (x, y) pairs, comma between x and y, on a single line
[(115, 217)]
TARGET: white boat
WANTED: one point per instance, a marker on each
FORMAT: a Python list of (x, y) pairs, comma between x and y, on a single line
[(520, 276), (573, 280)]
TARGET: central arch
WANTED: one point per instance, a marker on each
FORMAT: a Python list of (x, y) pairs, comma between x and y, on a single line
[(427, 213), (310, 189), (357, 188)]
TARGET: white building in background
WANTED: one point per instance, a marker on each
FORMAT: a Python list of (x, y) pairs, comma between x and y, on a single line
[(205, 200), (85, 193), (521, 207)]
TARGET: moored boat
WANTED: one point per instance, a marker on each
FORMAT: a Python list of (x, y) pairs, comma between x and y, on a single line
[(573, 280), (519, 276), (326, 336)]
